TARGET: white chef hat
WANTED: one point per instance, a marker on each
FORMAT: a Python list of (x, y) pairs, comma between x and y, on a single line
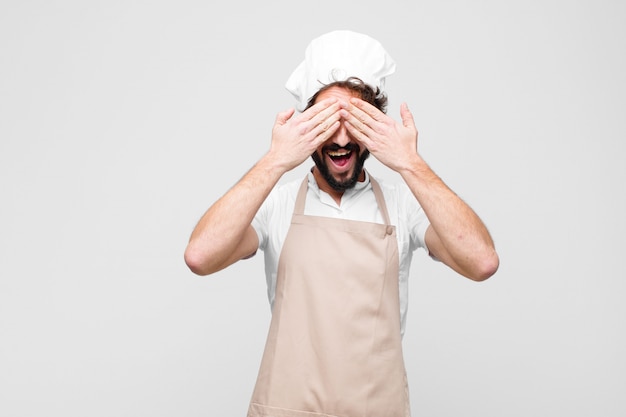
[(337, 56)]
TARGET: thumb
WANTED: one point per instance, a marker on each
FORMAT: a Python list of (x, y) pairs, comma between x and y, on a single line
[(282, 117), (407, 116)]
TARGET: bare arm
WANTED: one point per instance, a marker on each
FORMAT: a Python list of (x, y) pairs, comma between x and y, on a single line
[(224, 234), (456, 235)]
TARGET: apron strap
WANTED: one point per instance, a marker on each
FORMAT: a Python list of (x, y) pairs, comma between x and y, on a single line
[(380, 199), (378, 193), (301, 198)]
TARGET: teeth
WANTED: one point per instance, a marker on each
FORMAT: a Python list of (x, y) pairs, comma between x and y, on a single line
[(338, 153)]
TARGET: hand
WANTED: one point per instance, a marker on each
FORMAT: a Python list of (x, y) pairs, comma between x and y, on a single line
[(295, 139), (393, 144)]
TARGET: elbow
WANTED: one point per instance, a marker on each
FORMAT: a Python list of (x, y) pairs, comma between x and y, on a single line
[(486, 267), (196, 261)]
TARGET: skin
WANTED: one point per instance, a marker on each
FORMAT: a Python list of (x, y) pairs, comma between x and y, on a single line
[(456, 236), (341, 137)]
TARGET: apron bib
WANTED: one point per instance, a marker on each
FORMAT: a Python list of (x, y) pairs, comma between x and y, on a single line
[(334, 347)]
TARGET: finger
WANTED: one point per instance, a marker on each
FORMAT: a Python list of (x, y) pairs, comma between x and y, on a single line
[(327, 113), (324, 119), (357, 123), (282, 117), (327, 126), (407, 116), (318, 108), (358, 117), (367, 109), (324, 134), (365, 122), (358, 134)]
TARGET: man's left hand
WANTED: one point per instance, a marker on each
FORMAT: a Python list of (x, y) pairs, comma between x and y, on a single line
[(393, 144)]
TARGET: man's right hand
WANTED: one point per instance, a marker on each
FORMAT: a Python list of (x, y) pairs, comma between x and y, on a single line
[(294, 139)]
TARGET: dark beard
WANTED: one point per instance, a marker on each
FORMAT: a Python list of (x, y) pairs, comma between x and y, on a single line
[(348, 183)]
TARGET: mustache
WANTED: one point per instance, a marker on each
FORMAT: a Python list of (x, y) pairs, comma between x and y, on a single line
[(334, 147)]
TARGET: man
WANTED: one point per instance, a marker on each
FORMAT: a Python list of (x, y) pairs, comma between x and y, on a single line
[(338, 245)]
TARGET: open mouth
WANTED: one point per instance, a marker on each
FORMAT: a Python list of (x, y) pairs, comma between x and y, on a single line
[(340, 166), (340, 157)]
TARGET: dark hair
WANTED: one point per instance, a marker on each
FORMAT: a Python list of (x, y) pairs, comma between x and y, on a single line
[(366, 93)]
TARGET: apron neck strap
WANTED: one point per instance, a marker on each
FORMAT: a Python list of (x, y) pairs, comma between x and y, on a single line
[(380, 199), (378, 193)]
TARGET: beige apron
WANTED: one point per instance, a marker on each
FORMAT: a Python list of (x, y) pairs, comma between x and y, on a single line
[(334, 346)]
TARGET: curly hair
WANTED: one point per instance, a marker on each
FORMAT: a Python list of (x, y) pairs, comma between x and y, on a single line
[(375, 97)]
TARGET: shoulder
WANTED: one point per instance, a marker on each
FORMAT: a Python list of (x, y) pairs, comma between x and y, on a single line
[(275, 212), (285, 191), (281, 199), (395, 192), (411, 219), (401, 201)]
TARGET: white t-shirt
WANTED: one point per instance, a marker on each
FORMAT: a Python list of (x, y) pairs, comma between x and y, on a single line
[(273, 219)]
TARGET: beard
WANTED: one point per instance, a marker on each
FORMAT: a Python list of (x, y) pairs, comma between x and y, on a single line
[(335, 183)]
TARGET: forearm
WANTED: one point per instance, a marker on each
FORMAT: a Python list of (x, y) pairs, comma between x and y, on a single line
[(221, 231), (456, 236), (460, 238), (223, 235)]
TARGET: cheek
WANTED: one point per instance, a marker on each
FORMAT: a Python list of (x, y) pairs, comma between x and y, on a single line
[(317, 153), (327, 142)]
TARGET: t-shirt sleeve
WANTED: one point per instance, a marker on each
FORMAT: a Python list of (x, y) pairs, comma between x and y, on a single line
[(416, 218), (272, 220), (260, 222)]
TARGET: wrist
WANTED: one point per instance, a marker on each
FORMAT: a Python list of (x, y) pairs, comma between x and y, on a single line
[(419, 176), (272, 166), (414, 166)]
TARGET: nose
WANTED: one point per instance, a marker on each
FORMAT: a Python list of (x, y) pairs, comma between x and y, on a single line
[(341, 136)]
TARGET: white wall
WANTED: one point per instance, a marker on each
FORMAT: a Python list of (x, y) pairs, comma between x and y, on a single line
[(122, 121)]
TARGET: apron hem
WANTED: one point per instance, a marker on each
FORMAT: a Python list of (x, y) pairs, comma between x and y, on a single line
[(260, 410)]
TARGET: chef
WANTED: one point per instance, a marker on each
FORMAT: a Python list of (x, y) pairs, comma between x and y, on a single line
[(338, 243)]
